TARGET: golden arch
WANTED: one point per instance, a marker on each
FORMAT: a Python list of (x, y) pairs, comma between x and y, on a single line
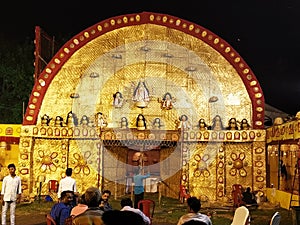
[(144, 27)]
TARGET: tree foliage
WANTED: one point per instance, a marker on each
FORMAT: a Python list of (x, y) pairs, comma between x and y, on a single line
[(16, 78)]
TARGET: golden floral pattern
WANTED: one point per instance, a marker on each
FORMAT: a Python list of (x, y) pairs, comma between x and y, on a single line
[(201, 170), (82, 164), (238, 164), (47, 161)]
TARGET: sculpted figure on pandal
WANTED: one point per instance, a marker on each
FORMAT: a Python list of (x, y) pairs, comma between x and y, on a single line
[(141, 95), (100, 120), (202, 125), (45, 120), (167, 101), (232, 124), (118, 99), (184, 123), (217, 123), (157, 124), (124, 123), (141, 122)]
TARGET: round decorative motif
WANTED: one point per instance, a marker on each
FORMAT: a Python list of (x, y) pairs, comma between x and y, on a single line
[(259, 163), (232, 172), (249, 77), (202, 165), (260, 178), (220, 180), (86, 34), (237, 59), (259, 123), (197, 173), (238, 164), (256, 89), (258, 95), (191, 27), (47, 160), (113, 22), (259, 109), (234, 156), (221, 164), (243, 173), (197, 157), (151, 136)]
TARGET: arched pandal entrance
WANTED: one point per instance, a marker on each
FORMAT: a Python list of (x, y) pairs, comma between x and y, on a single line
[(148, 90)]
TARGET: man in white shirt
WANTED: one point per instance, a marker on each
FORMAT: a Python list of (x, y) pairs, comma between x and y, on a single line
[(194, 206), (10, 193), (68, 184), (127, 205)]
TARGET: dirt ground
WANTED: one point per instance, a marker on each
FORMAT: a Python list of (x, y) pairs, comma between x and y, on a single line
[(36, 219), (34, 214), (39, 219)]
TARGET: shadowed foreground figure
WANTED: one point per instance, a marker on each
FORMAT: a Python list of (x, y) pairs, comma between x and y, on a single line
[(117, 217), (127, 205), (91, 216), (62, 210), (194, 206), (194, 222), (249, 197)]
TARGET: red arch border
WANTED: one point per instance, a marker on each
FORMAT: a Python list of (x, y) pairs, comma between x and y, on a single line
[(251, 83)]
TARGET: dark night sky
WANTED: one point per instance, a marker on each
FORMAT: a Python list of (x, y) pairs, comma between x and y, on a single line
[(265, 33)]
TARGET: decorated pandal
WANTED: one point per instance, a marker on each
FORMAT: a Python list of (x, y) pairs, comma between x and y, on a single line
[(152, 91), (283, 153), (282, 141), (207, 161)]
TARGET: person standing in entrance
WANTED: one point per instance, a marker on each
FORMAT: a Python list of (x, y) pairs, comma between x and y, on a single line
[(68, 184), (139, 190), (10, 193)]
